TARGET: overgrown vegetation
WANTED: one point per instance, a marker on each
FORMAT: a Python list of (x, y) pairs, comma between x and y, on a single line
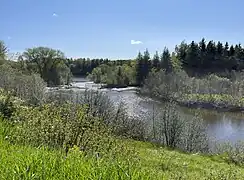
[(211, 91)]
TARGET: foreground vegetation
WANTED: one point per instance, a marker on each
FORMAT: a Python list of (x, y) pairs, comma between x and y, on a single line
[(137, 160), (84, 141)]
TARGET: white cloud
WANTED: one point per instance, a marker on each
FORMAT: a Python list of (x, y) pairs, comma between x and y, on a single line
[(135, 42), (55, 15)]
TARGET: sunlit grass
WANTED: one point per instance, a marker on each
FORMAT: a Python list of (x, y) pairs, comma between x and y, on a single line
[(218, 99), (23, 162)]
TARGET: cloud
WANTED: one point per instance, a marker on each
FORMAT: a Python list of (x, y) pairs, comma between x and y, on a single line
[(55, 15), (135, 42)]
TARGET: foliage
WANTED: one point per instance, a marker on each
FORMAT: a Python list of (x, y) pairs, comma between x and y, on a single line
[(123, 75), (3, 51), (197, 59), (49, 63), (63, 126), (165, 85), (174, 130), (209, 91), (30, 88), (100, 106)]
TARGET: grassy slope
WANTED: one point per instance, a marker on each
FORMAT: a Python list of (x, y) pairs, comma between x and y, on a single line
[(21, 162)]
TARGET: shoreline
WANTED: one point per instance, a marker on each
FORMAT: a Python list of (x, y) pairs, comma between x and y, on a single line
[(199, 104)]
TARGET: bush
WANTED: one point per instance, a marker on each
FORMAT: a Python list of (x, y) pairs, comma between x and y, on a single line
[(64, 127), (30, 88), (174, 130), (99, 105), (231, 153), (8, 104)]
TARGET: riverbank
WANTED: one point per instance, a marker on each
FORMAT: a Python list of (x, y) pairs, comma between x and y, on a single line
[(26, 162), (218, 102)]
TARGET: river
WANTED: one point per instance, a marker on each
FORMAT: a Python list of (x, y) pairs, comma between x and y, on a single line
[(221, 126)]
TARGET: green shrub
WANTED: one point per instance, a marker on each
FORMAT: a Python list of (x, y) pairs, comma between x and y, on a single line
[(61, 127), (8, 104), (231, 153), (30, 88)]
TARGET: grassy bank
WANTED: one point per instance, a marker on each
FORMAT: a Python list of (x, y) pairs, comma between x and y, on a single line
[(223, 102), (71, 141), (24, 162)]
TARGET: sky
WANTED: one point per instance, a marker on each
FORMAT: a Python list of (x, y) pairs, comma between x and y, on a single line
[(117, 29)]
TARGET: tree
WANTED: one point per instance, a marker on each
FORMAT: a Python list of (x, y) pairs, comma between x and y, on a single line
[(232, 51), (139, 69), (211, 54), (226, 49), (219, 55), (3, 51), (192, 57), (45, 60), (181, 52), (166, 60), (146, 64), (202, 48), (176, 63), (156, 61)]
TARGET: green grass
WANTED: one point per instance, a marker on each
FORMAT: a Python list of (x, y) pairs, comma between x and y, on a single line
[(22, 162)]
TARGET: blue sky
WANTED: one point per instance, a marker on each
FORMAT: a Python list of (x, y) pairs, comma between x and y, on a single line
[(115, 28)]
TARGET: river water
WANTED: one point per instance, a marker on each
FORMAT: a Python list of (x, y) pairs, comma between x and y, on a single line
[(221, 126)]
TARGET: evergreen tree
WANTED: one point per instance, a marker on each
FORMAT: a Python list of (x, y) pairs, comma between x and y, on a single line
[(231, 51), (139, 69), (192, 57), (156, 61), (219, 55), (211, 53), (146, 64), (226, 50), (166, 60), (203, 49)]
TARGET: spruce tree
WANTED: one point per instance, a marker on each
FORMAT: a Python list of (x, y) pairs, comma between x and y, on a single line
[(156, 61), (166, 60), (192, 57), (139, 69), (202, 48), (146, 64)]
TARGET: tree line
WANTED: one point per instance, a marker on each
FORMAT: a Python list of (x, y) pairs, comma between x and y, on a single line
[(195, 58)]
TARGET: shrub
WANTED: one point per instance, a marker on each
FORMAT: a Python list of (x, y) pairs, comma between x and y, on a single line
[(8, 104), (174, 130), (30, 88), (99, 105), (61, 127), (231, 153)]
